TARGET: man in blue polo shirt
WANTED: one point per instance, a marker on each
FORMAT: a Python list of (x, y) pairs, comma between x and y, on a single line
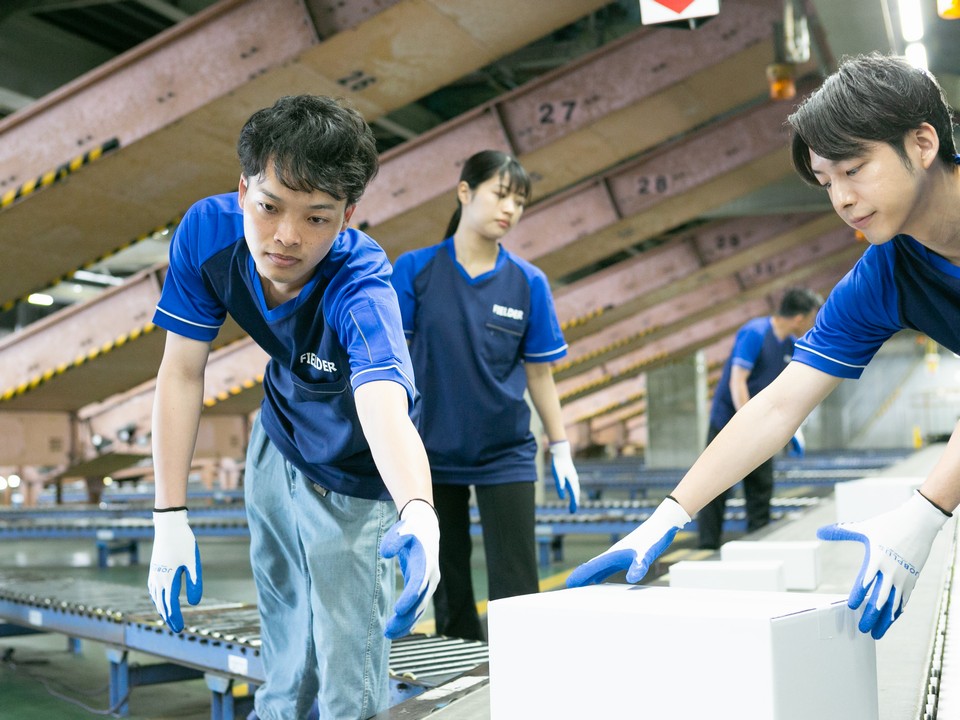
[(761, 351), (334, 440), (891, 171)]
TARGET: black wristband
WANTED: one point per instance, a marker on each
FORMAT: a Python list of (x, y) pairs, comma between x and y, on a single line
[(423, 500), (948, 514), (170, 509), (671, 497)]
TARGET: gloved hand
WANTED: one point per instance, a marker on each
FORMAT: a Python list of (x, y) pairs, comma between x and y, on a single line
[(564, 473), (637, 551), (797, 445), (897, 545), (415, 540), (175, 552)]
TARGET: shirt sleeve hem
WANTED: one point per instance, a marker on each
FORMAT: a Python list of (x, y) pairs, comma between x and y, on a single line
[(831, 366), (549, 356), (394, 373), (194, 331)]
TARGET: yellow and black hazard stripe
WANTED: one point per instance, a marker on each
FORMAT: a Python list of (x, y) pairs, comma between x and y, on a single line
[(9, 304), (49, 178), (224, 395), (611, 407), (574, 322), (50, 373), (559, 367)]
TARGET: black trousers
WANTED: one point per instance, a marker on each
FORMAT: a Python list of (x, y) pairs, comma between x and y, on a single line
[(507, 515), (757, 492)]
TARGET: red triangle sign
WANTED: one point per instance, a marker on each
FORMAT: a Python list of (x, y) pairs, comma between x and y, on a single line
[(678, 6)]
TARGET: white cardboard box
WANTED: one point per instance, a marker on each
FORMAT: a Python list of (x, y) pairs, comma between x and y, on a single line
[(748, 575), (802, 559), (626, 651), (862, 499)]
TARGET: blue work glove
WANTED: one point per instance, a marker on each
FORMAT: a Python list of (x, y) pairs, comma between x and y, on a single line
[(637, 551), (564, 473), (175, 554), (897, 545), (415, 541), (797, 446)]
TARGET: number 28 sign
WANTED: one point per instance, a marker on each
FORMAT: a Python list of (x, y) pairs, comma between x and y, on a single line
[(661, 11)]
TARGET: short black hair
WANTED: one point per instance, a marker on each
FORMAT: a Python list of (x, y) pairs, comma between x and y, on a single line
[(870, 98), (799, 301), (314, 142)]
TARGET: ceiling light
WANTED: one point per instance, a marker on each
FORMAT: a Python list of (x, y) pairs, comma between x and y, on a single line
[(796, 34), (916, 54), (911, 20), (40, 299), (98, 278), (127, 434)]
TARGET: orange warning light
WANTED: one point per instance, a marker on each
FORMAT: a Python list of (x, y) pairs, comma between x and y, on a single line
[(780, 76), (948, 9)]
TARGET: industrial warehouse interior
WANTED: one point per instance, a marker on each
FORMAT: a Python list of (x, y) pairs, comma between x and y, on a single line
[(666, 215)]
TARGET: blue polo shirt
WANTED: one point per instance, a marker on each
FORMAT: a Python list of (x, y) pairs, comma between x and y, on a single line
[(894, 286), (469, 340), (341, 331), (758, 350)]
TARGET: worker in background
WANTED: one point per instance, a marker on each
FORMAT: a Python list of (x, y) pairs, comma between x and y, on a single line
[(761, 351)]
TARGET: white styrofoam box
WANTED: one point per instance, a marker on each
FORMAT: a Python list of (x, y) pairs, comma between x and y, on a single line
[(761, 575), (802, 559), (864, 498), (618, 651)]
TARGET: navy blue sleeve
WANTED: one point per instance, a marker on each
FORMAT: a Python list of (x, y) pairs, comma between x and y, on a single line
[(860, 314), (361, 305), (748, 344), (404, 271), (186, 307), (544, 340)]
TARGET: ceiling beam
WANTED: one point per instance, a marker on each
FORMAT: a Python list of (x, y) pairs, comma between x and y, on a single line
[(683, 263), (668, 188), (619, 101), (692, 299), (233, 371), (677, 338), (177, 127), (48, 365)]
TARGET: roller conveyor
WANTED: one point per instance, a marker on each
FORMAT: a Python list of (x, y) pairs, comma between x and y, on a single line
[(623, 473), (115, 534), (220, 640), (112, 510), (632, 476)]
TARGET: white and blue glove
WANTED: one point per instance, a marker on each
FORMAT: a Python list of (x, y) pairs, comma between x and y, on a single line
[(637, 551), (797, 445), (565, 474), (897, 545), (175, 554), (415, 541)]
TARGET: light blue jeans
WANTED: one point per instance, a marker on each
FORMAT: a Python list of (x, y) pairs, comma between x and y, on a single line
[(324, 592)]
